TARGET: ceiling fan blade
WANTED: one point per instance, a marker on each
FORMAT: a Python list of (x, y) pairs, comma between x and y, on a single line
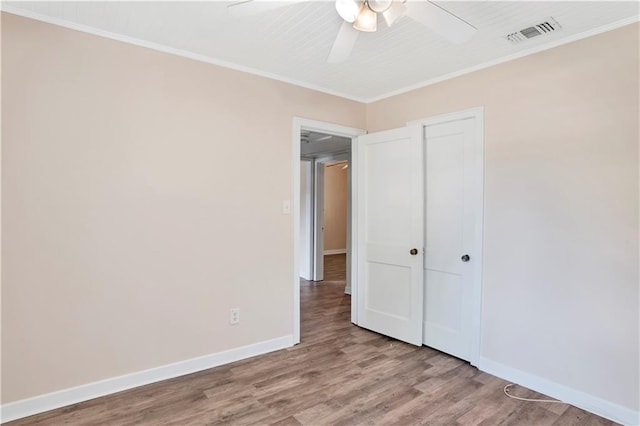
[(440, 21), (254, 7), (343, 45)]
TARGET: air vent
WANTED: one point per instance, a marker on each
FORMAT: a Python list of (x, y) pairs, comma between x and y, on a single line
[(549, 25)]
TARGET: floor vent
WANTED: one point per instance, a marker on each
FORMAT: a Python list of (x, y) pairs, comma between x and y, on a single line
[(549, 25)]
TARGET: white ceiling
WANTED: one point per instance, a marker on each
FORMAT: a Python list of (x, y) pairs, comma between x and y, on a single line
[(291, 43)]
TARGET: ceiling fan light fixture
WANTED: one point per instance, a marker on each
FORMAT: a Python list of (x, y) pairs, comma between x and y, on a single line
[(379, 6), (396, 10), (348, 9), (367, 21)]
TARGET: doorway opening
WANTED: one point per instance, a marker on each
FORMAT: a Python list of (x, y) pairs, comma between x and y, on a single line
[(335, 223), (325, 194), (322, 211)]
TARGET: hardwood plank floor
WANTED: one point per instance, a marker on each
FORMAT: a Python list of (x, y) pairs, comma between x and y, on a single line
[(339, 375)]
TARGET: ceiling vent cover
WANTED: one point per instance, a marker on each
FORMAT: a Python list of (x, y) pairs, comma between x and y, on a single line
[(549, 25)]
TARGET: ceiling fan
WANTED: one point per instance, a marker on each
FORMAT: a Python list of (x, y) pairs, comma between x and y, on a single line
[(362, 16)]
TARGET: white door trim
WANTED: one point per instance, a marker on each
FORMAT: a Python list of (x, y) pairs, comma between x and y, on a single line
[(306, 223), (478, 114), (317, 265), (298, 125)]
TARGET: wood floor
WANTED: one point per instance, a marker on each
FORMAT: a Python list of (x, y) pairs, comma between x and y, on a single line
[(339, 375)]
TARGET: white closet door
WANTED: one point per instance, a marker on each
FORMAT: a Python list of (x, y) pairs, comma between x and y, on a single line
[(390, 229), (451, 216)]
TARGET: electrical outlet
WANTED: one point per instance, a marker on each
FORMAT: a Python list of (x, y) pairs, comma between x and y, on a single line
[(234, 316)]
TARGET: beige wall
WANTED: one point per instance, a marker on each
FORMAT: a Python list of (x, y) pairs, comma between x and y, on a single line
[(133, 182), (335, 208), (561, 208)]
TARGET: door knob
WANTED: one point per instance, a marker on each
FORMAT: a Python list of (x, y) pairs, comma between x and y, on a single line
[(413, 251), (465, 258)]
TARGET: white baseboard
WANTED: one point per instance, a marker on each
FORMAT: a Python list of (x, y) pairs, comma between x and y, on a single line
[(28, 407), (335, 251), (347, 290), (591, 403)]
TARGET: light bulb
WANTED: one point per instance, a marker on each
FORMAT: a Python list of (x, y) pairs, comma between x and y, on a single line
[(367, 20)]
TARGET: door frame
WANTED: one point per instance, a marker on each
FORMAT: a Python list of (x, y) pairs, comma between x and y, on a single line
[(307, 249), (478, 252), (298, 125)]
